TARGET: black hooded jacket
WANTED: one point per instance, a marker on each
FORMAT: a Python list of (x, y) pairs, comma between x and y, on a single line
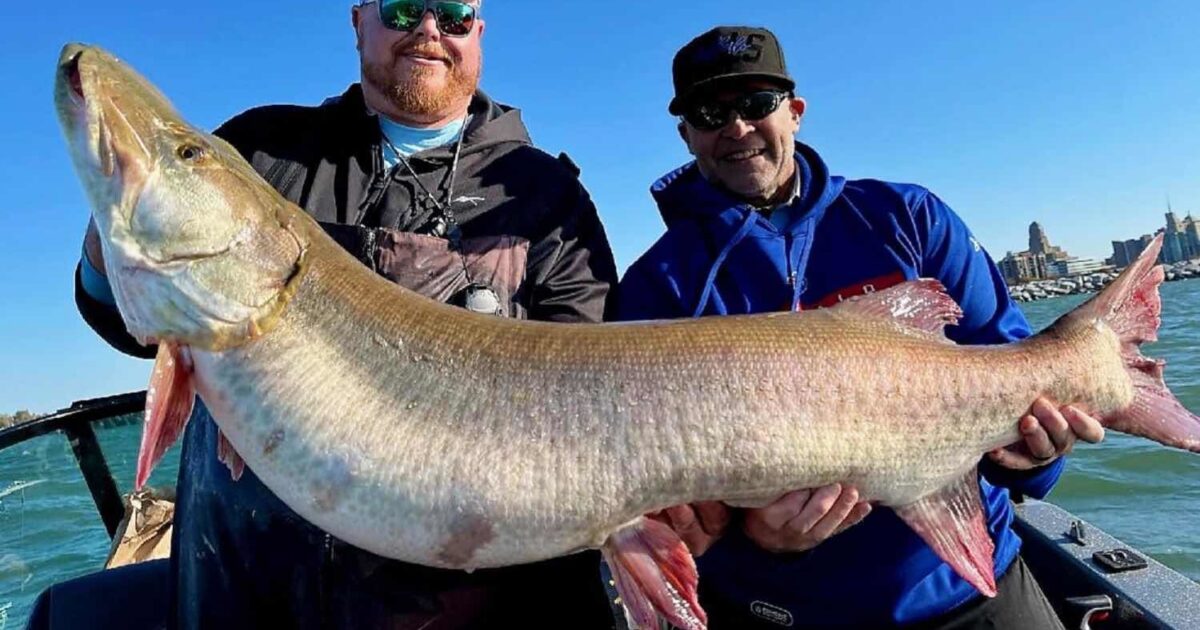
[(243, 559)]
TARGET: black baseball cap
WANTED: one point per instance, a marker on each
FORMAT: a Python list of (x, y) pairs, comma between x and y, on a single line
[(727, 52)]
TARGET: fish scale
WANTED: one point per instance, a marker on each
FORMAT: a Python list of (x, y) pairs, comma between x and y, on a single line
[(789, 444)]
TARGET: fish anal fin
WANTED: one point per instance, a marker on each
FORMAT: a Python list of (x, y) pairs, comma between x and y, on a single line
[(169, 400), (921, 304), (655, 575), (229, 456), (951, 521)]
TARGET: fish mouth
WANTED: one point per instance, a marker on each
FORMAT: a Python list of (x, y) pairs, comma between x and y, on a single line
[(83, 112), (71, 75), (108, 145)]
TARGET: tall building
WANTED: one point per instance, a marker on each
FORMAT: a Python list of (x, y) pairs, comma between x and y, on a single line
[(1192, 232), (1036, 263), (1125, 252), (1174, 225), (1039, 243), (1172, 250), (1181, 239)]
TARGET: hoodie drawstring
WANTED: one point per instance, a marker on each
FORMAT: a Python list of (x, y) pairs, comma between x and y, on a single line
[(716, 266)]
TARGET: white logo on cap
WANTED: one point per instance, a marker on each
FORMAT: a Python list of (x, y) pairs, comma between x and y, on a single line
[(735, 44)]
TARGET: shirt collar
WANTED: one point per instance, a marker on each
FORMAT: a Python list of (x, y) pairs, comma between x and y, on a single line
[(795, 189), (781, 214)]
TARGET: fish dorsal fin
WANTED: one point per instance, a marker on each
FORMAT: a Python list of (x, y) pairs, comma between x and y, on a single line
[(920, 304), (951, 522)]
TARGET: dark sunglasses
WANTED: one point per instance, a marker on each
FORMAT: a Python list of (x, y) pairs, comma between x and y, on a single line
[(712, 115), (454, 19)]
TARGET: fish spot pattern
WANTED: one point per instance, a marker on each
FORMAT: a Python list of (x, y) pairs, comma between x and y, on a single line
[(329, 486), (468, 534), (272, 442)]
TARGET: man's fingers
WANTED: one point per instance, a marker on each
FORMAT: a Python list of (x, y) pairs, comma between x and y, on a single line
[(860, 511), (1037, 441), (838, 511), (821, 502), (1083, 425), (682, 517), (1012, 459), (1054, 424), (777, 514), (713, 516), (688, 526), (92, 248)]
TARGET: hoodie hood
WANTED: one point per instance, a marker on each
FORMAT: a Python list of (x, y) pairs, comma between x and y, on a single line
[(685, 198), (492, 124)]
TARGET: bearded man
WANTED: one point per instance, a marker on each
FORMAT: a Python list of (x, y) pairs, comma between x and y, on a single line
[(437, 187)]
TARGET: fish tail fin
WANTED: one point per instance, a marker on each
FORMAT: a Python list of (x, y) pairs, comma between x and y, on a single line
[(1131, 307), (169, 402), (655, 575), (951, 521)]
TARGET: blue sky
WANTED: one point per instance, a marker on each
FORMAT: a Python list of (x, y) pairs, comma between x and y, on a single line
[(1078, 114)]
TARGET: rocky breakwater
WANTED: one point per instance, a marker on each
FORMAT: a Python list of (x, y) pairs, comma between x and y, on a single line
[(1090, 283)]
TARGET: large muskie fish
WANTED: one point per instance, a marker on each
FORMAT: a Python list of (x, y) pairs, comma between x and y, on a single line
[(433, 435)]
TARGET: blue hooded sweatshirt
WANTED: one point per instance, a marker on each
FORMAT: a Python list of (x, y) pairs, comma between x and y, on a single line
[(839, 239)]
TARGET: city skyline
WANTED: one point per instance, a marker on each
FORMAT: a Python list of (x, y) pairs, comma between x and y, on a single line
[(1092, 247), (1044, 260)]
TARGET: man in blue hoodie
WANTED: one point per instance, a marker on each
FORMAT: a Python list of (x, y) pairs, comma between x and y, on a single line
[(757, 223)]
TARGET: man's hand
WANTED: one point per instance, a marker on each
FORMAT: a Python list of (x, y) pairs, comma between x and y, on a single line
[(698, 524), (803, 519), (1046, 434), (91, 247)]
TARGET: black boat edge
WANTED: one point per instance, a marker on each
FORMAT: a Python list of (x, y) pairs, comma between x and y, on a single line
[(75, 423), (1091, 578), (1084, 570)]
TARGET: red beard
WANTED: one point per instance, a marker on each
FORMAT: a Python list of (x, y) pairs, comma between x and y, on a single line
[(412, 92)]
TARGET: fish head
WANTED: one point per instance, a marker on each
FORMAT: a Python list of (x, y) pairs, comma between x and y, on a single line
[(198, 248)]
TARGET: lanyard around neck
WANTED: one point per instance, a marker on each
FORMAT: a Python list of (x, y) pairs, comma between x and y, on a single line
[(444, 224)]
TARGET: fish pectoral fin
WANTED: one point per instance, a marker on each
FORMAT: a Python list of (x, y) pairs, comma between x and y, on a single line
[(229, 456), (920, 304), (951, 521), (169, 400), (655, 575)]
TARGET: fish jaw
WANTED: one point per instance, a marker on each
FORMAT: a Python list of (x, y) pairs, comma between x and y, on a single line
[(79, 94), (197, 248), (112, 182)]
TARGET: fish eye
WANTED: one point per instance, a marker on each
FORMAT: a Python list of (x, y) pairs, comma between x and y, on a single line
[(190, 153)]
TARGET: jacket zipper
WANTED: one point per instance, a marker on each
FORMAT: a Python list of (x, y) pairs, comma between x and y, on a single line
[(791, 279)]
